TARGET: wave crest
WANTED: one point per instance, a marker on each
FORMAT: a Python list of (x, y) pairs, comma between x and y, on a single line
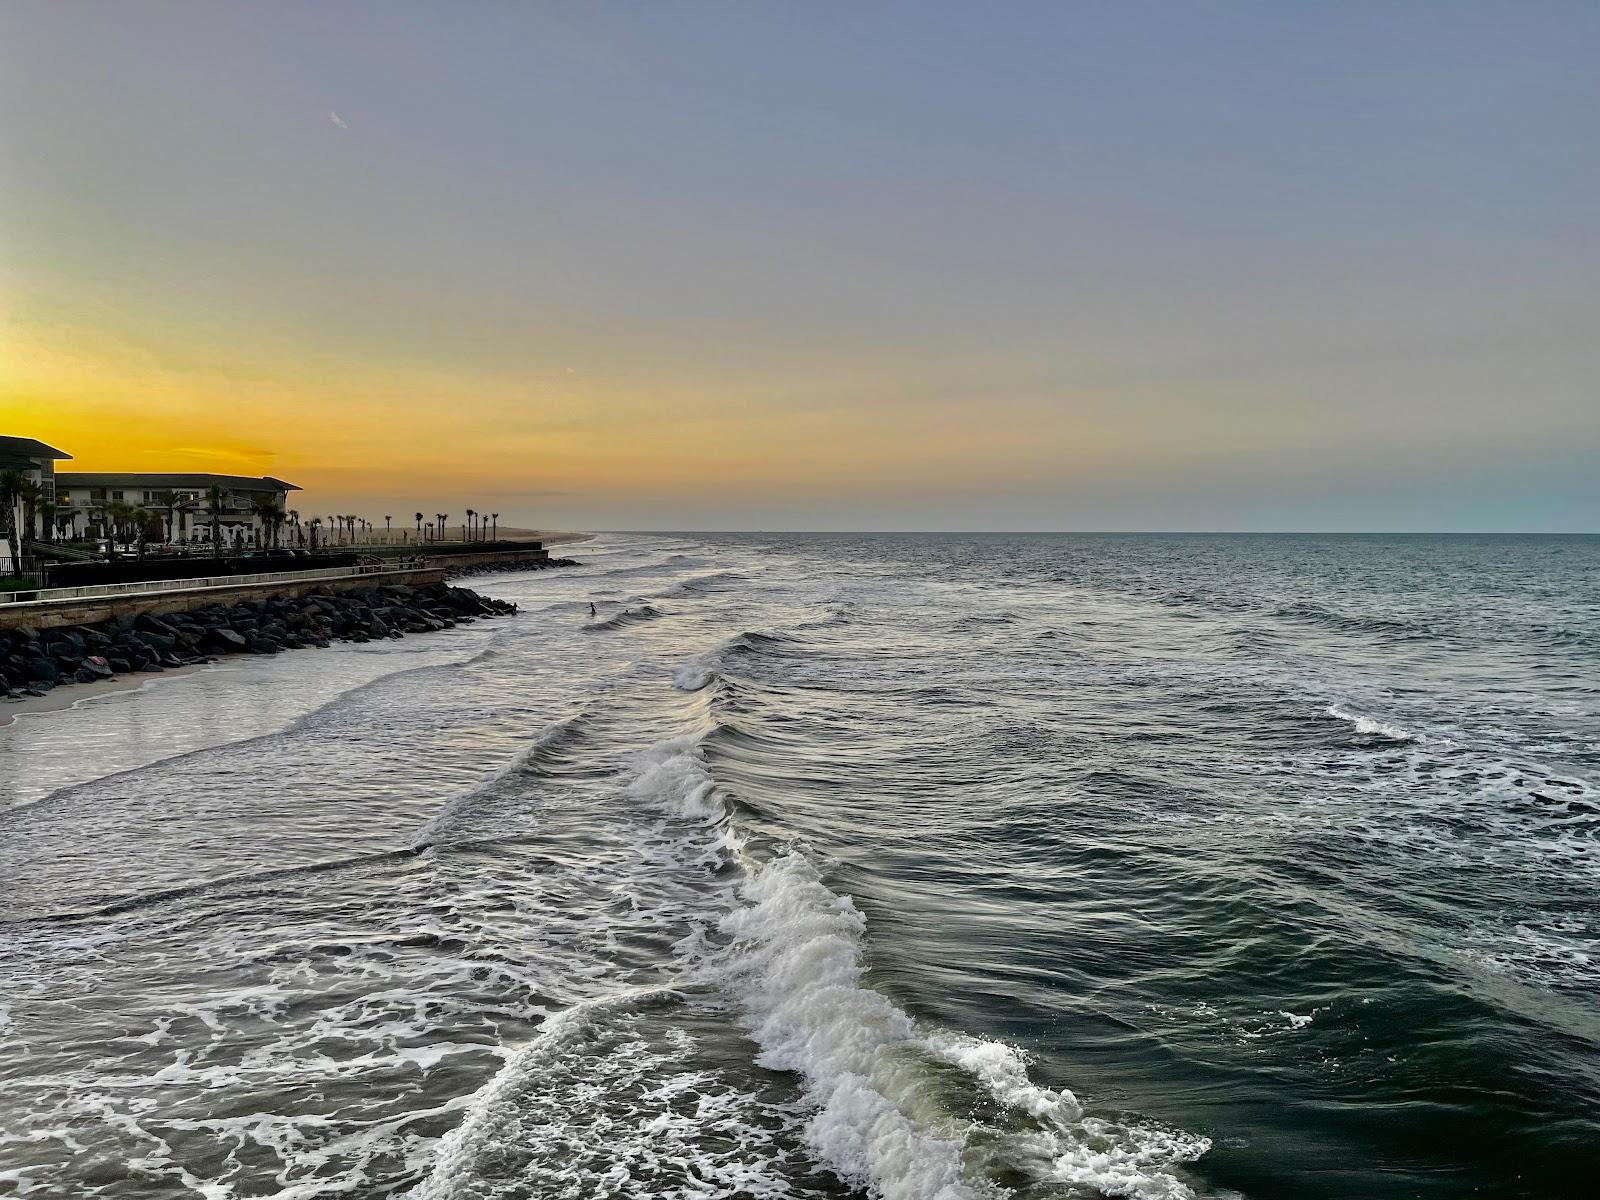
[(1370, 726), (621, 620), (795, 967), (700, 671)]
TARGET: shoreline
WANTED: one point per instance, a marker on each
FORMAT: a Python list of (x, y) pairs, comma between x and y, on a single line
[(53, 670), (69, 696)]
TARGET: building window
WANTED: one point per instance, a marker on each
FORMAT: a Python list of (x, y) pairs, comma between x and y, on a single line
[(116, 495)]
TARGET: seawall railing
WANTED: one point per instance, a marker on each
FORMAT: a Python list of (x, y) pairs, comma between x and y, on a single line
[(146, 586)]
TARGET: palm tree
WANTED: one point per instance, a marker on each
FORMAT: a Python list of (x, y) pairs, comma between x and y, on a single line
[(116, 516), (271, 514), (494, 528), (169, 500), (316, 524), (11, 481), (216, 496), (143, 519), (263, 514), (441, 517), (31, 495), (47, 521), (294, 524)]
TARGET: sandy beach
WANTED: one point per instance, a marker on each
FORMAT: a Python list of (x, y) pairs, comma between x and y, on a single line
[(72, 695)]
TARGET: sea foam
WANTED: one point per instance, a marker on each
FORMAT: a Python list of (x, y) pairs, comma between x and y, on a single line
[(795, 967), (1371, 727)]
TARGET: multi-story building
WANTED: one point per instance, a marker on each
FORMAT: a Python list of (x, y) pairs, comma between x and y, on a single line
[(36, 463), (181, 501)]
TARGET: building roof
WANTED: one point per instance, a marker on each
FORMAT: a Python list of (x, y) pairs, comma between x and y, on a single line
[(170, 480), (21, 447)]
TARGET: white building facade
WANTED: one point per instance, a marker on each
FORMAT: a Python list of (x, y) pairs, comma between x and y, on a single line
[(251, 510)]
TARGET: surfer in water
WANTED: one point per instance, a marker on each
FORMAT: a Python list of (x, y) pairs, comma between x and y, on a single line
[(592, 612)]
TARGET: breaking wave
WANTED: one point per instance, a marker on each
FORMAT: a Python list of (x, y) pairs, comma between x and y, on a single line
[(1371, 727), (878, 1084), (625, 618), (875, 1083), (698, 672)]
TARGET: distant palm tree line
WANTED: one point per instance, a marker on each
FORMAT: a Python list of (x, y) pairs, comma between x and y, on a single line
[(165, 520), (351, 529)]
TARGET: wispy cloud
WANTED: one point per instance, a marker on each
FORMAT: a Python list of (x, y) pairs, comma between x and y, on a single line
[(337, 119)]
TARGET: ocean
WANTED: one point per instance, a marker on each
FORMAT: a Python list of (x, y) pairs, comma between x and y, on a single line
[(913, 867)]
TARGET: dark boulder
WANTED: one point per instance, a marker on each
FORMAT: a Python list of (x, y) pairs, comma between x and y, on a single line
[(225, 641), (69, 639), (151, 623)]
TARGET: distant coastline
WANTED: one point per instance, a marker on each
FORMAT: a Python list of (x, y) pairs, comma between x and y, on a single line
[(82, 690)]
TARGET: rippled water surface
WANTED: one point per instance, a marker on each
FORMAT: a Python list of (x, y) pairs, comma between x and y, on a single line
[(913, 867)]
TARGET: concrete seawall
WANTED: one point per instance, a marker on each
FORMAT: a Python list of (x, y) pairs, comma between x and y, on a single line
[(90, 610), (533, 556)]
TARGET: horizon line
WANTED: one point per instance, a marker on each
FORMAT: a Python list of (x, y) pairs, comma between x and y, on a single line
[(1125, 532)]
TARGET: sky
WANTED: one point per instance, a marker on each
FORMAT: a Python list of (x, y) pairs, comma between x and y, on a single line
[(1209, 266)]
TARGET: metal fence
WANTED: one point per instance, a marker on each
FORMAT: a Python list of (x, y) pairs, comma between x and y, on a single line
[(145, 586)]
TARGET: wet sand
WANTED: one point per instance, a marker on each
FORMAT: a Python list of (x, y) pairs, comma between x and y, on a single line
[(70, 695)]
